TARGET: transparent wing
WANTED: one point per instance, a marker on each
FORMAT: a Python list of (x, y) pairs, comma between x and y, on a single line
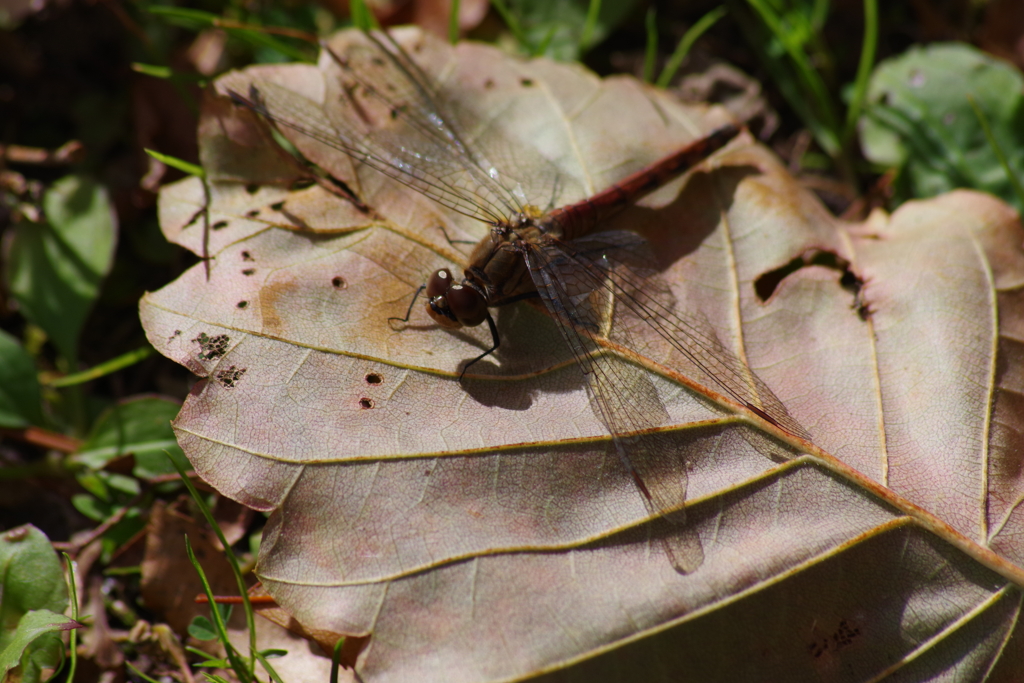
[(385, 112), (413, 127), (414, 165), (581, 282), (476, 136), (629, 276), (622, 394)]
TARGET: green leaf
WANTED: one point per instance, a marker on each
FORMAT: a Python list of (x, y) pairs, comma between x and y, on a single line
[(93, 483), (215, 664), (119, 482), (91, 507), (131, 524), (20, 397), (567, 29), (201, 629), (919, 118), (224, 610), (35, 644), (30, 576), (34, 596), (139, 426), (56, 267)]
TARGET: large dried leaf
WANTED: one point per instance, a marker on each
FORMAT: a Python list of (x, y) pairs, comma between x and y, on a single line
[(484, 530)]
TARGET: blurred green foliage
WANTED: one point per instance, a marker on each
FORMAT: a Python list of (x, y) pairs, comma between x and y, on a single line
[(926, 118), (31, 612)]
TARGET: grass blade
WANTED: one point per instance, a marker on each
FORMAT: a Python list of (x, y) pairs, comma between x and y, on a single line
[(686, 42)]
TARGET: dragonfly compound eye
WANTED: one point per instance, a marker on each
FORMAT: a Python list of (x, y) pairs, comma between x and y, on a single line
[(467, 304), (437, 299), (439, 283)]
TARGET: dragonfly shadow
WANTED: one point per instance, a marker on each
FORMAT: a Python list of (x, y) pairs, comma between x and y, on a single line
[(678, 229), (531, 357)]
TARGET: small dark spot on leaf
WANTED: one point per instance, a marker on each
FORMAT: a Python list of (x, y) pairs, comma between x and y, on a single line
[(489, 83), (219, 225), (252, 188), (249, 271), (526, 82), (246, 256), (374, 378), (338, 282), (365, 403), (845, 634), (242, 304), (277, 206), (195, 217), (230, 377), (252, 213)]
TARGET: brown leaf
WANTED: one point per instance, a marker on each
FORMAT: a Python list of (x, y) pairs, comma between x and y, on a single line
[(170, 583), (232, 519), (485, 530)]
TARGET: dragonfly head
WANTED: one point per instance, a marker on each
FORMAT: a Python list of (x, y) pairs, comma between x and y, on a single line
[(453, 304)]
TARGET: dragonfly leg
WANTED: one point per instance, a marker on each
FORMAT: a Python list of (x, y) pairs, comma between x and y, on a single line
[(408, 313), (494, 337), (450, 240)]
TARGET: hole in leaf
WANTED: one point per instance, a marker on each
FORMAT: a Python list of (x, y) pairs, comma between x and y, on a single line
[(526, 82), (219, 225), (252, 188), (338, 282), (365, 403), (252, 213), (249, 271), (230, 377), (277, 206), (242, 304), (246, 256), (212, 348), (766, 285), (374, 378)]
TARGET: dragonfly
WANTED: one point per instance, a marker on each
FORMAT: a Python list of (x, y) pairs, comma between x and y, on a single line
[(394, 118)]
